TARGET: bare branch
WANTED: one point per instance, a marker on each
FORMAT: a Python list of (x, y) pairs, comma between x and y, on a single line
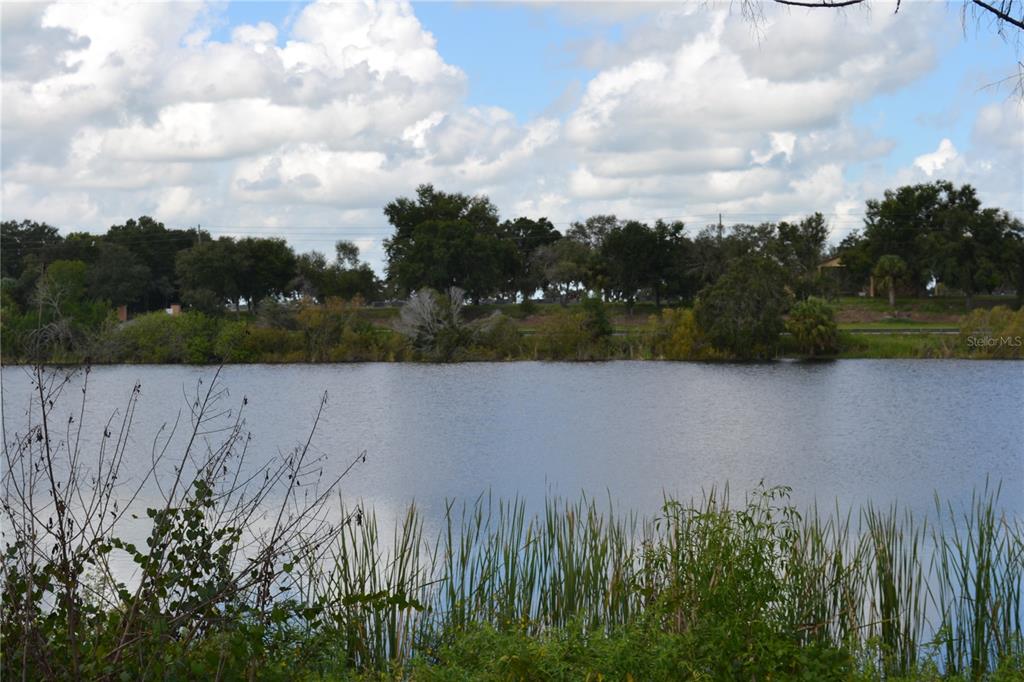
[(1002, 15), (833, 4)]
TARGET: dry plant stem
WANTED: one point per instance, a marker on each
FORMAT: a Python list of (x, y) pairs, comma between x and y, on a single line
[(143, 585)]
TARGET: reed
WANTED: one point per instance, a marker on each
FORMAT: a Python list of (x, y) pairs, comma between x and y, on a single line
[(897, 593), (978, 575)]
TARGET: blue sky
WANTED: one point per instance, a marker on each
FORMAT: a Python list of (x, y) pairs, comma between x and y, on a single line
[(517, 57), (945, 101)]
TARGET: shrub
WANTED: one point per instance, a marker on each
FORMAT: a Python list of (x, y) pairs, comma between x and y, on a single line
[(433, 323), (596, 318), (813, 325), (527, 307), (567, 335), (241, 342), (322, 325), (362, 342), (497, 338), (273, 313), (161, 338), (676, 336)]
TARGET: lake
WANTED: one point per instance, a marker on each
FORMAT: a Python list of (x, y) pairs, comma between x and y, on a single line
[(850, 430)]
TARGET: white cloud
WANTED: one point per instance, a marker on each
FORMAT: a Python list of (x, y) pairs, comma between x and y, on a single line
[(936, 161), (114, 110)]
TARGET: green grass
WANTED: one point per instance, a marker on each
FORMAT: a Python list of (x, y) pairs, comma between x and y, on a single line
[(897, 346), (953, 305), (896, 324)]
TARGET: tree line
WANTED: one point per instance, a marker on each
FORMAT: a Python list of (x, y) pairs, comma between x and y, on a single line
[(147, 266), (915, 239)]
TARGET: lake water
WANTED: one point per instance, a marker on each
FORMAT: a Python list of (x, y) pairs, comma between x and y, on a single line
[(852, 430)]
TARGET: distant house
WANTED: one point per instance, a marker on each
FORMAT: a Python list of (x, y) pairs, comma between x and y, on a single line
[(836, 262)]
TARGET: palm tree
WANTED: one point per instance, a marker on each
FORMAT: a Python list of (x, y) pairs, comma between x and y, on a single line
[(888, 269)]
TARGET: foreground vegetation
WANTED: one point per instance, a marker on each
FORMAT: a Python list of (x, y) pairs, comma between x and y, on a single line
[(248, 572)]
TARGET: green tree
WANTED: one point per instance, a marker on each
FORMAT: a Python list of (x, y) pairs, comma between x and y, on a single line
[(1012, 262), (890, 269), (741, 313), (671, 262), (117, 275), (715, 248), (856, 260), (631, 258), (157, 248), (310, 275), (800, 247), (446, 240), (64, 315), (210, 275), (528, 236), (813, 325), (20, 241), (970, 250), (348, 276), (909, 221), (708, 257), (593, 230), (268, 268), (562, 266)]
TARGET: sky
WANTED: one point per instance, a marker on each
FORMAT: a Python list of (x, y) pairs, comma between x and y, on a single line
[(302, 120)]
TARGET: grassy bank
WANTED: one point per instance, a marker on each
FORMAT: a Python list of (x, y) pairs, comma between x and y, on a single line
[(344, 332)]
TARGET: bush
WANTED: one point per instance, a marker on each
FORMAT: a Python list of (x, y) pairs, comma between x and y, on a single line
[(596, 318), (434, 325), (362, 342), (568, 335), (527, 307), (497, 338), (813, 326), (162, 338), (241, 342), (322, 326), (676, 336)]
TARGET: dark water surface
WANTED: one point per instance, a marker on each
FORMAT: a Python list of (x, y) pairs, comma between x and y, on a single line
[(852, 430)]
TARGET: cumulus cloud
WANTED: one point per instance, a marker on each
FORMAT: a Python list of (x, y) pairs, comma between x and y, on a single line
[(939, 159), (719, 120), (137, 106)]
